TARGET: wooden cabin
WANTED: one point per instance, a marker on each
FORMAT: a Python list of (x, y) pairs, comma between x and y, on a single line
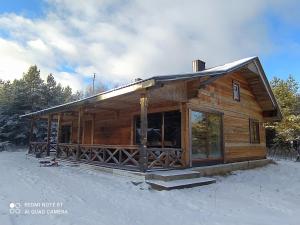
[(208, 116)]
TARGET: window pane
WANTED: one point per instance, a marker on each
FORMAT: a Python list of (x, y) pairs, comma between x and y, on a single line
[(236, 92), (65, 134), (154, 129), (172, 129), (214, 135), (199, 135), (206, 135), (254, 131)]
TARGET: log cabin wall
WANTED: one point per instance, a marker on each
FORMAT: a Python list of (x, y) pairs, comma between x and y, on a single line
[(218, 96), (116, 127)]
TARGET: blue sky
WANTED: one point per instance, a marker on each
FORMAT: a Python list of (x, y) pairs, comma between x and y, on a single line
[(30, 8), (122, 40)]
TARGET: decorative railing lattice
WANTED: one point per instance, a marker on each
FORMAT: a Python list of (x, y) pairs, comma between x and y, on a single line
[(67, 151), (113, 155), (164, 158), (37, 148), (120, 156)]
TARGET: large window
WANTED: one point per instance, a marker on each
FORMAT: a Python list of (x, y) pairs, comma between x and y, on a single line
[(164, 129), (254, 131), (206, 129)]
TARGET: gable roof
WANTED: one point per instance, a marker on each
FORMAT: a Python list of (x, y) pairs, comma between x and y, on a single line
[(251, 63)]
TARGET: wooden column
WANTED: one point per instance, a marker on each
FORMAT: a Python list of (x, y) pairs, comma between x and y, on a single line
[(58, 133), (185, 135), (78, 134), (49, 134), (30, 134), (144, 127), (93, 129)]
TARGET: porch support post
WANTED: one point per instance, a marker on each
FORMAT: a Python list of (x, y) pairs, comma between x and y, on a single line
[(49, 134), (59, 117), (143, 138), (93, 129), (185, 135), (30, 134), (78, 134)]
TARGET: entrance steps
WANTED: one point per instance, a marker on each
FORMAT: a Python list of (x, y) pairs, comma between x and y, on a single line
[(177, 179)]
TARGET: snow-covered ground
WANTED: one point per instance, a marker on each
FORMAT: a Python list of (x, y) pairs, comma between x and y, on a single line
[(269, 195)]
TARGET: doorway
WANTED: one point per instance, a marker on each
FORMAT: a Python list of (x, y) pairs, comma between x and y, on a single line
[(206, 138)]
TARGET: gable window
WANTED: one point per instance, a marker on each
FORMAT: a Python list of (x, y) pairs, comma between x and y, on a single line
[(236, 91), (254, 131)]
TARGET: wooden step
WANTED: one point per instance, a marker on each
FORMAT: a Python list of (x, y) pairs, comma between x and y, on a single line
[(174, 175), (179, 184)]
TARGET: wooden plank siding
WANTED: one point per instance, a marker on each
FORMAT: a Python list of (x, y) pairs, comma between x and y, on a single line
[(218, 96), (115, 126)]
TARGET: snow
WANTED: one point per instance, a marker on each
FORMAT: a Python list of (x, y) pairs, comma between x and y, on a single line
[(264, 196), (228, 66)]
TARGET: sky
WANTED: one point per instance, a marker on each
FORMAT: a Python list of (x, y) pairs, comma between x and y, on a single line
[(128, 39)]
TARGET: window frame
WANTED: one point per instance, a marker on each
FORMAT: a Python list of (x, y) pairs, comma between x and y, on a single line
[(253, 122), (163, 126), (236, 84)]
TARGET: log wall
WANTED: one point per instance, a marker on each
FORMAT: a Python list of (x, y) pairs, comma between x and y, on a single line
[(218, 96), (115, 127)]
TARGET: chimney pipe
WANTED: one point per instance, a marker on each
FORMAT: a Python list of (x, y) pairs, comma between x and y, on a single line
[(198, 65)]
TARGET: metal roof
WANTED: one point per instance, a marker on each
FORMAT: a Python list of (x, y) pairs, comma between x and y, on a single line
[(213, 72)]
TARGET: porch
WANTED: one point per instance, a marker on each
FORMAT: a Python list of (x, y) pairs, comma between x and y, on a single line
[(140, 131), (115, 156)]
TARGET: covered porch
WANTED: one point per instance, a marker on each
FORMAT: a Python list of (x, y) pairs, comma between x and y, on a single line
[(135, 129)]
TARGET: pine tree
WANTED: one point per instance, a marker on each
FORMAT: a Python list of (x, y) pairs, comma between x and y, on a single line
[(28, 94), (285, 92)]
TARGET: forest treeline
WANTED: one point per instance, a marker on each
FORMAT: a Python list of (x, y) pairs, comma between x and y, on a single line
[(27, 94)]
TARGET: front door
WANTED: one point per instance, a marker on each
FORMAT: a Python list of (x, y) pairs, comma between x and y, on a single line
[(206, 138)]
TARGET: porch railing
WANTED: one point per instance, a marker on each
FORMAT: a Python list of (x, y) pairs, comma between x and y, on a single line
[(164, 158), (41, 148), (114, 155), (37, 148)]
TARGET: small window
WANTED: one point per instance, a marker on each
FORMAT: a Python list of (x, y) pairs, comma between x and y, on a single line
[(236, 91), (254, 131)]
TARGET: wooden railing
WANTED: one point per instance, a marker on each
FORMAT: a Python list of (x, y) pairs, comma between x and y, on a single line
[(67, 151), (114, 155), (37, 148), (164, 158)]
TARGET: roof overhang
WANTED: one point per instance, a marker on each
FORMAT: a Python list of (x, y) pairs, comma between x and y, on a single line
[(252, 63)]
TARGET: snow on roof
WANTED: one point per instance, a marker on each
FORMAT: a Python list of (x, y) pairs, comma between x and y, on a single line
[(230, 65), (214, 71)]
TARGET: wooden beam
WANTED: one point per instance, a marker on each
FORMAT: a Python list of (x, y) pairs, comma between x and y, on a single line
[(83, 131), (163, 130), (78, 134), (58, 133), (185, 134), (49, 134), (93, 129), (144, 129)]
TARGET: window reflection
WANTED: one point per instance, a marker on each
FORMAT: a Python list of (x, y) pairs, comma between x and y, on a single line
[(169, 122), (206, 135)]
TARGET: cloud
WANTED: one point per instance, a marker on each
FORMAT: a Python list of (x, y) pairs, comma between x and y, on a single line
[(122, 40)]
